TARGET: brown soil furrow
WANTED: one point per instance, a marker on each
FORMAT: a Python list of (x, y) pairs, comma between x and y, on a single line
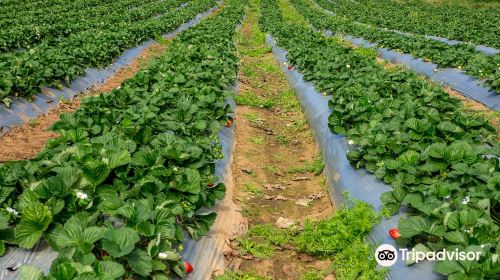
[(272, 144)]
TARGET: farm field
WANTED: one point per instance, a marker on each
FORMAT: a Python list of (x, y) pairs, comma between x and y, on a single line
[(249, 139)]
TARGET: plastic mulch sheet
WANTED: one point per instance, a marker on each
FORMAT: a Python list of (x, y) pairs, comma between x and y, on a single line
[(207, 254), (341, 176)]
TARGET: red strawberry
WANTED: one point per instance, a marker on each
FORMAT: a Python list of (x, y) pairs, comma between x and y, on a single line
[(394, 233), (211, 185), (229, 123), (290, 67), (188, 267)]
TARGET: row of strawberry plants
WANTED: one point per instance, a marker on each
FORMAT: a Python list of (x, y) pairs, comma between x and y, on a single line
[(476, 25), (57, 16), (116, 191), (461, 56), (45, 65), (30, 34), (40, 8), (442, 163)]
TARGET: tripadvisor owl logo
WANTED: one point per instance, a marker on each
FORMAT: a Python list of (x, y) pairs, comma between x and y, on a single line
[(387, 255)]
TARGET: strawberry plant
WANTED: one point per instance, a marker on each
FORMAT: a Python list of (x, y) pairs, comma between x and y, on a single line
[(117, 191), (461, 56), (476, 25), (29, 31), (23, 73), (442, 163)]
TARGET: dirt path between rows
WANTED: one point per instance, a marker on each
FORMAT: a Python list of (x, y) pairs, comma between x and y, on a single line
[(24, 142), (278, 177)]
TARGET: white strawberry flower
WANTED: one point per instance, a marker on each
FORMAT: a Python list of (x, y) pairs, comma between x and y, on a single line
[(175, 168), (163, 255), (348, 65), (81, 195), (350, 142), (466, 200), (12, 211)]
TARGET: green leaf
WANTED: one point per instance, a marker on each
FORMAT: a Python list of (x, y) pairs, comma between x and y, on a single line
[(191, 182), (28, 272), (140, 262), (34, 221), (62, 269), (412, 226), (399, 193), (95, 172), (2, 248), (452, 220), (435, 150), (179, 79), (4, 220), (56, 205), (110, 269), (119, 242), (200, 225), (27, 198), (457, 237), (460, 151), (418, 248), (391, 208), (93, 234), (116, 159), (62, 184), (448, 267)]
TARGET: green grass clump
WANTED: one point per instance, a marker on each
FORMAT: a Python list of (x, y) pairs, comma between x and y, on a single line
[(315, 166), (314, 274), (272, 234), (252, 100), (327, 237), (340, 238), (257, 248), (251, 188), (357, 261)]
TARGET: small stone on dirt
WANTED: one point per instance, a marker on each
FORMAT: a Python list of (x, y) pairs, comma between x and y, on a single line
[(270, 187), (235, 264), (247, 257), (300, 178), (315, 196), (247, 170), (288, 247), (284, 222), (305, 258), (277, 197), (229, 254), (268, 131), (303, 201)]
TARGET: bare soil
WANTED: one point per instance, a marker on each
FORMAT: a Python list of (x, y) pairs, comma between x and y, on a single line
[(269, 143)]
